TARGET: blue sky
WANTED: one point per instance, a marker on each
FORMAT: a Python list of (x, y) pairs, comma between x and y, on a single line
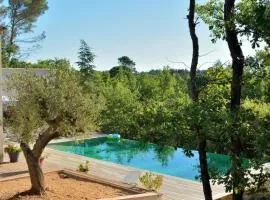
[(151, 32)]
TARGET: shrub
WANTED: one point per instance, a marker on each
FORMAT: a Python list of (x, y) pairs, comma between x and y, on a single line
[(12, 149), (151, 181), (84, 167)]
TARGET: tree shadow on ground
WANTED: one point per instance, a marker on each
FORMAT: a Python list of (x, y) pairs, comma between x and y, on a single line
[(21, 194), (7, 174)]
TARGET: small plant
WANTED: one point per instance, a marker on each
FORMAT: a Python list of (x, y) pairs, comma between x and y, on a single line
[(84, 167), (12, 149), (13, 152), (151, 181)]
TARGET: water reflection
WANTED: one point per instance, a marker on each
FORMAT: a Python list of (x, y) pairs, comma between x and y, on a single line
[(165, 159)]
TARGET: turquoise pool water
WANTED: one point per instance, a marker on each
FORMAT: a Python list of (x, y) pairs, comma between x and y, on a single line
[(165, 160)]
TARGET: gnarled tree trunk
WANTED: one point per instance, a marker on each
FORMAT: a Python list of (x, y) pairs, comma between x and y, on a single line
[(195, 95), (238, 66), (32, 157), (35, 172)]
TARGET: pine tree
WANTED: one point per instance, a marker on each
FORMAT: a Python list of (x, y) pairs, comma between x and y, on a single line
[(125, 61), (21, 18), (86, 59)]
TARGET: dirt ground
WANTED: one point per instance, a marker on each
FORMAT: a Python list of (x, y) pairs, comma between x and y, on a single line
[(59, 189)]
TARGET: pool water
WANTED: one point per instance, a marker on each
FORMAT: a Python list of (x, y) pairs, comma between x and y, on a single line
[(165, 160)]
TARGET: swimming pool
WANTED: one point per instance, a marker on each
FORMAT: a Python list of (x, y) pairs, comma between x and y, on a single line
[(165, 160)]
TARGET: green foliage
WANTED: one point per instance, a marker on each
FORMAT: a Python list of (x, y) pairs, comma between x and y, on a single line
[(125, 61), (214, 85), (257, 76), (15, 63), (28, 13), (241, 132), (84, 167), (12, 149), (251, 124), (146, 107), (212, 14), (260, 140), (260, 109), (120, 70), (251, 16), (151, 181), (55, 103), (253, 20), (259, 179), (86, 59), (121, 110), (56, 63), (22, 15)]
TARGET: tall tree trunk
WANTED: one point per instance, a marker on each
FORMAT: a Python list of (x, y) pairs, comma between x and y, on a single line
[(204, 168), (35, 172), (195, 95), (2, 136), (12, 30), (236, 54), (195, 53), (237, 66)]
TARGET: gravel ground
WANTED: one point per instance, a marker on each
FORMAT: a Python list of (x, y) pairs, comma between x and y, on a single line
[(59, 189)]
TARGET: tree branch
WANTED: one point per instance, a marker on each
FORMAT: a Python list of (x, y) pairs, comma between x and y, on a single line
[(26, 149), (206, 54), (195, 47), (43, 139), (178, 62)]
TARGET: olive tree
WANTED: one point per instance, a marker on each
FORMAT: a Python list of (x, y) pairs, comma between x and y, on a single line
[(46, 108)]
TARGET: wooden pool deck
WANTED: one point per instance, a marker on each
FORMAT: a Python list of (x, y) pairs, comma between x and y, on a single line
[(173, 188)]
